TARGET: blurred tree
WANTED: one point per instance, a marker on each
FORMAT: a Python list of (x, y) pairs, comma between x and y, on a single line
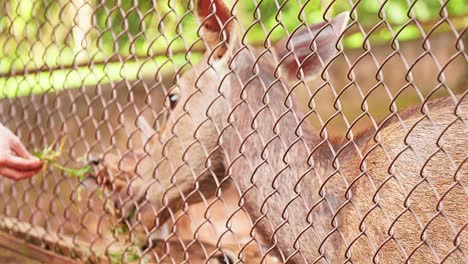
[(143, 27)]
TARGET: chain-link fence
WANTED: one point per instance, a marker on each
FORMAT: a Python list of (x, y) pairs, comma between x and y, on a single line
[(209, 131)]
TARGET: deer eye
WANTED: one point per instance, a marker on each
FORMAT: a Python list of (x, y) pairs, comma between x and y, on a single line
[(173, 99), (224, 259)]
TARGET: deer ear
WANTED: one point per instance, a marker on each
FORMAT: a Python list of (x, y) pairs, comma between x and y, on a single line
[(218, 30), (309, 49), (147, 132)]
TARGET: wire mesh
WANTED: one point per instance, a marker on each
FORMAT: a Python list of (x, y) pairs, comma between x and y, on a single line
[(239, 132)]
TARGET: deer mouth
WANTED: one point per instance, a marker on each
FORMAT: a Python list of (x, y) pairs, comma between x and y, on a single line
[(119, 199)]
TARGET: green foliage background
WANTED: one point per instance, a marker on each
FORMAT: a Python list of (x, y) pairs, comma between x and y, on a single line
[(39, 34)]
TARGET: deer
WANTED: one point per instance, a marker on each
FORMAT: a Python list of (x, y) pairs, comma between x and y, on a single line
[(175, 252), (175, 242), (391, 194)]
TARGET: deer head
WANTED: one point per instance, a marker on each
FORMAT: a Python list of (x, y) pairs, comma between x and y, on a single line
[(187, 159)]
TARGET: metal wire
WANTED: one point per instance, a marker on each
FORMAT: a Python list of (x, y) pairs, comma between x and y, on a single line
[(209, 142)]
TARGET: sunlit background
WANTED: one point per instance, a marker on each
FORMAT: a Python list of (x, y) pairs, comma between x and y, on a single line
[(75, 38)]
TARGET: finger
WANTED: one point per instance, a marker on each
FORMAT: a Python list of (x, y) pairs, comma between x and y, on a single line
[(20, 164), (16, 175), (19, 148)]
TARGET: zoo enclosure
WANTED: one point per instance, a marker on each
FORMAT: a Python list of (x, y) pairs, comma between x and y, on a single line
[(85, 70)]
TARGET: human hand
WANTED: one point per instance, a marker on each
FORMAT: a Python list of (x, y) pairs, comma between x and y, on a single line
[(15, 161)]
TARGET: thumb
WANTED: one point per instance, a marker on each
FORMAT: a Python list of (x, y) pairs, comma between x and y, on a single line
[(21, 151)]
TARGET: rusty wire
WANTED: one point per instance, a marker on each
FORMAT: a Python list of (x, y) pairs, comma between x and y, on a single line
[(236, 163)]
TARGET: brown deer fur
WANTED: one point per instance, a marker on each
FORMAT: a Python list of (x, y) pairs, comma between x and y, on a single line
[(385, 196)]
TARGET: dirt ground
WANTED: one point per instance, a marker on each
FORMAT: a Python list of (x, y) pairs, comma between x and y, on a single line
[(10, 257)]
